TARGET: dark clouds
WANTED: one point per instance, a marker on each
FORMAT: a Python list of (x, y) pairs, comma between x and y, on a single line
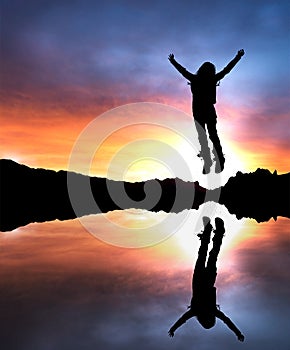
[(123, 45)]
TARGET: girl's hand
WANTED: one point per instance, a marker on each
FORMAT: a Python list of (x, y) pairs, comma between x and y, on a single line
[(241, 337), (241, 52)]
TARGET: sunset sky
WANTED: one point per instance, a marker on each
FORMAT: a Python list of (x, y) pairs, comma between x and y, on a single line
[(65, 63), (75, 77)]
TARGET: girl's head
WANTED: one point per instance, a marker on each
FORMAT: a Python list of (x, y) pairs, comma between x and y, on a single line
[(206, 70), (207, 320)]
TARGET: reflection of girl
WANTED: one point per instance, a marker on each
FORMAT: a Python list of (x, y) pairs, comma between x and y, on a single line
[(203, 88), (203, 301)]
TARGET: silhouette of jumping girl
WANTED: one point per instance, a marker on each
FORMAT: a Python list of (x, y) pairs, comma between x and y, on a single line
[(203, 87), (203, 302)]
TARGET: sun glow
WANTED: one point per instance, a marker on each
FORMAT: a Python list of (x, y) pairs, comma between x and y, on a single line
[(159, 153), (187, 239), (147, 169)]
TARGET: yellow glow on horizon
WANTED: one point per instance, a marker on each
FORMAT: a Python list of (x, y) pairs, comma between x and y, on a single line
[(135, 153), (147, 169), (44, 138)]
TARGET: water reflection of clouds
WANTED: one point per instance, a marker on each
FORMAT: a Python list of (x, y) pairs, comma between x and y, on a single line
[(60, 282), (262, 286)]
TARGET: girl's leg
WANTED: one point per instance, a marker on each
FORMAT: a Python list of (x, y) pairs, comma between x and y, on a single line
[(199, 269), (213, 135), (205, 150), (213, 255)]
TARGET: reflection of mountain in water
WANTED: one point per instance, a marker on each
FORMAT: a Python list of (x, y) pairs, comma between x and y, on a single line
[(37, 195)]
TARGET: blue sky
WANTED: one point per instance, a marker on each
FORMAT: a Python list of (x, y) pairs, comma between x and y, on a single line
[(102, 44)]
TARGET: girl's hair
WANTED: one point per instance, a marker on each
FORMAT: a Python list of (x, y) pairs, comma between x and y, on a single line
[(206, 320), (207, 69)]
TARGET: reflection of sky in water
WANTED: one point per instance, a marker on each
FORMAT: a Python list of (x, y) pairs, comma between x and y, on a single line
[(64, 289)]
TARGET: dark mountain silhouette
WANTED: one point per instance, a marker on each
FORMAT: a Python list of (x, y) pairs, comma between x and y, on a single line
[(38, 195), (260, 195)]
